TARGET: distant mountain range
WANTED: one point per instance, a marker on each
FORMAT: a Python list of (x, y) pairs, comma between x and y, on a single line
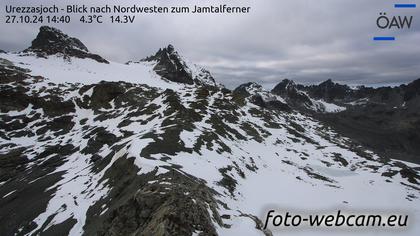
[(157, 146), (384, 119)]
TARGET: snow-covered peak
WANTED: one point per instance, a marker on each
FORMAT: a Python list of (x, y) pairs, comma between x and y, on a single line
[(169, 64), (52, 41), (202, 75), (164, 53)]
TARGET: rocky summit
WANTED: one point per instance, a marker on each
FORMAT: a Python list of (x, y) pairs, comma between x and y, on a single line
[(50, 41), (157, 147)]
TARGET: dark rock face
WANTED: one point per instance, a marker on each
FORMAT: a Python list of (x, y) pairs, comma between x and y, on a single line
[(11, 163), (258, 100), (159, 209), (284, 87), (104, 92), (277, 105), (272, 104), (1, 51), (253, 91), (10, 73), (294, 97), (53, 40), (412, 90), (242, 89), (98, 138), (50, 41), (329, 91), (170, 66)]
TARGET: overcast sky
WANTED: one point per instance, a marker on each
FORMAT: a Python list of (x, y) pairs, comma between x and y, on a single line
[(304, 40)]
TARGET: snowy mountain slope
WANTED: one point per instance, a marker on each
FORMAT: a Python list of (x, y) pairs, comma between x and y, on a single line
[(143, 155), (87, 71)]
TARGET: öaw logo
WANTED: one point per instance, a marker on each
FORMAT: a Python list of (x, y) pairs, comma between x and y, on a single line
[(396, 22)]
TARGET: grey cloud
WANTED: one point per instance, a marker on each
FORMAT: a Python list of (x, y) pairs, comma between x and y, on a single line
[(304, 40)]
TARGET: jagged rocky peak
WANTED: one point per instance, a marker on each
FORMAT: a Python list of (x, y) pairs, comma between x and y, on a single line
[(51, 41), (292, 93), (284, 87), (163, 53), (247, 89), (329, 84), (260, 97), (170, 65), (329, 91)]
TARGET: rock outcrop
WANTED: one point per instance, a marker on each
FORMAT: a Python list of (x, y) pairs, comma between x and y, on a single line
[(51, 41)]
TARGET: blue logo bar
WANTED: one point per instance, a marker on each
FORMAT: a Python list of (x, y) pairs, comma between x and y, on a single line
[(384, 38), (405, 5)]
